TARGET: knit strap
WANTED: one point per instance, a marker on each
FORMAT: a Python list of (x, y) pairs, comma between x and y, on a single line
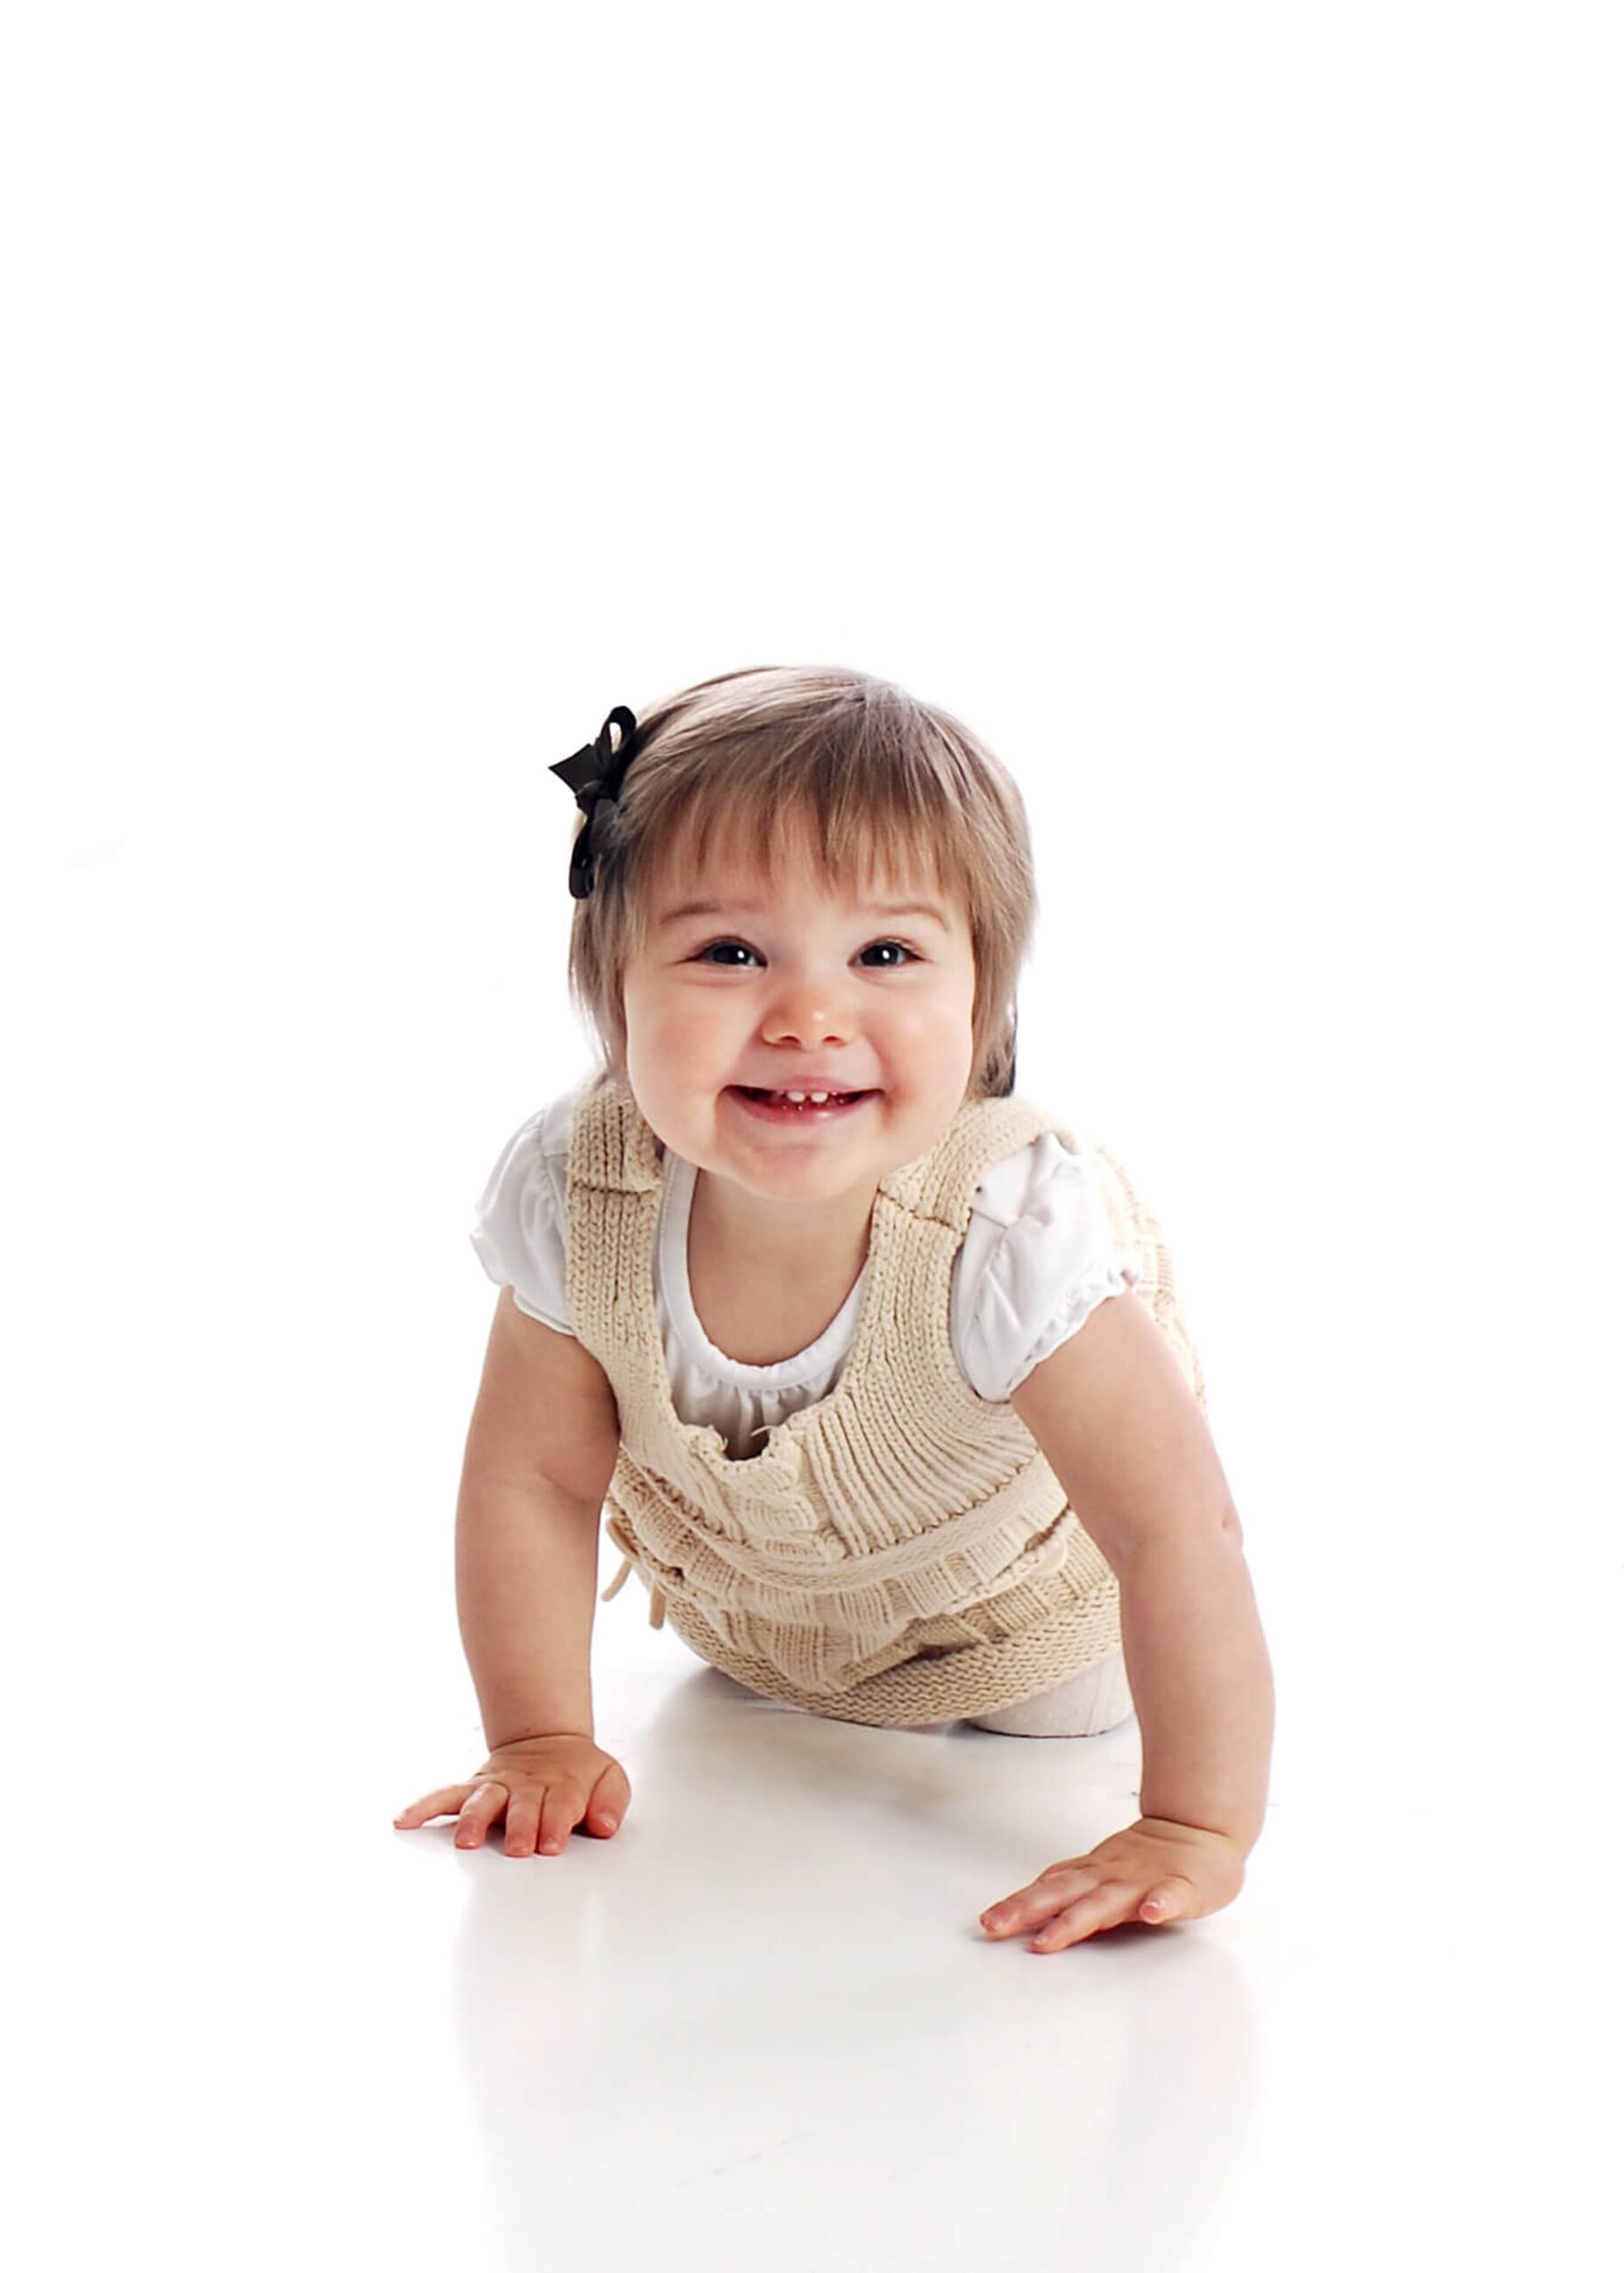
[(613, 1148), (942, 1185)]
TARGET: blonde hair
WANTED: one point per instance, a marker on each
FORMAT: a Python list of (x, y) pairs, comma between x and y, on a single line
[(850, 771)]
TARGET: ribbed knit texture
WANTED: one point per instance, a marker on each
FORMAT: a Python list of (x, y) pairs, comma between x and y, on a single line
[(899, 1552)]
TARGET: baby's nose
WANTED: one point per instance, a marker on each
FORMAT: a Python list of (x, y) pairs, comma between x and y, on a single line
[(809, 1015)]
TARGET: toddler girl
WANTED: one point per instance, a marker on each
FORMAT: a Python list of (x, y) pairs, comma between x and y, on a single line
[(879, 1368)]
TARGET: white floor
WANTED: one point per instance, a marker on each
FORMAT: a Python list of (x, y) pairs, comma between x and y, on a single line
[(256, 2024)]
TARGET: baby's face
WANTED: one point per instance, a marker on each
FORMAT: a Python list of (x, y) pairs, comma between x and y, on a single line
[(792, 986)]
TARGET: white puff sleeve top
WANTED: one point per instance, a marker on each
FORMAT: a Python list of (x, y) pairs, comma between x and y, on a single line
[(1036, 1260)]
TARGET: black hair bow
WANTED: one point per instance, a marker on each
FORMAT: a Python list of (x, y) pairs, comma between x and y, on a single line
[(595, 774)]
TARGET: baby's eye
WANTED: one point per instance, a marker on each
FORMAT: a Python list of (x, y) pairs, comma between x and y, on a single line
[(719, 947)]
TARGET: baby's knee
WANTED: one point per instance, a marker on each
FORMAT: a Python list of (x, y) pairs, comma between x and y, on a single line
[(1087, 1705)]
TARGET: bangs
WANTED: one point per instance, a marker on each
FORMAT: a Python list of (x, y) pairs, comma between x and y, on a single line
[(879, 834)]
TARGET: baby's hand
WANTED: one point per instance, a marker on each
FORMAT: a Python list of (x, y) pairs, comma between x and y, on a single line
[(1152, 1873), (545, 1785)]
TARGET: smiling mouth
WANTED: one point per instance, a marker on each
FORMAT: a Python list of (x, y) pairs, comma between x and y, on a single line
[(789, 1101)]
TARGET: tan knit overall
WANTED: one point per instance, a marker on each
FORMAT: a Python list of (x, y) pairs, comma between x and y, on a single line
[(900, 1552)]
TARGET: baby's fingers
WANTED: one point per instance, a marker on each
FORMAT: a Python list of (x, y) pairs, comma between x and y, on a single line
[(447, 1800), (524, 1814), (484, 1802), (561, 1813)]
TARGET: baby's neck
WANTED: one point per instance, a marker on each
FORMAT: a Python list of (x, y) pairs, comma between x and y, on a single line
[(768, 1238)]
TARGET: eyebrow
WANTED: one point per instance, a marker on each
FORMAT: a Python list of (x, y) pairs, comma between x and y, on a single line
[(760, 907)]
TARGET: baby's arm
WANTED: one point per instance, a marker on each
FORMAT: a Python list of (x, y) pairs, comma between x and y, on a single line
[(540, 1450), (1114, 1417)]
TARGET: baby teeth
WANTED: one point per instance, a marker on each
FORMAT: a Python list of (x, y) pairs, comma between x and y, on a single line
[(805, 1096)]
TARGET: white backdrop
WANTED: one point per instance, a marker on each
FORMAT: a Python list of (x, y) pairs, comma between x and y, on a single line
[(1215, 407)]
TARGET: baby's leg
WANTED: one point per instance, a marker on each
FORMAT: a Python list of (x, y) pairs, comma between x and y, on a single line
[(1087, 1706)]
